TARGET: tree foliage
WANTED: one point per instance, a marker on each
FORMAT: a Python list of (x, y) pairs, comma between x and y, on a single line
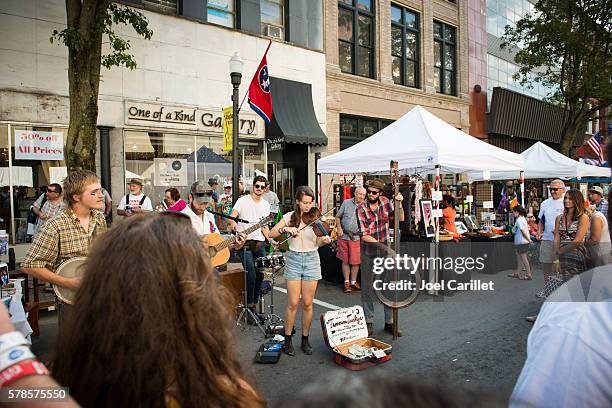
[(566, 46), (89, 22)]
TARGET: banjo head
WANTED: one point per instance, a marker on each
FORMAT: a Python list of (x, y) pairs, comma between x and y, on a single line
[(72, 268)]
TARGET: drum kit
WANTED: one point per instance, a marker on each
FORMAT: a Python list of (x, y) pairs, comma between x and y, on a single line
[(270, 266)]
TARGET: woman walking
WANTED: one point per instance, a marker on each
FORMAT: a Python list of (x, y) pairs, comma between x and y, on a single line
[(303, 266), (522, 241)]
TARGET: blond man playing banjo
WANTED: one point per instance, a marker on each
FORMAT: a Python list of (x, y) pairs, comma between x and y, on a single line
[(68, 234)]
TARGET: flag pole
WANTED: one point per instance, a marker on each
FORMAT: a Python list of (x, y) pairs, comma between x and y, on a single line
[(247, 92)]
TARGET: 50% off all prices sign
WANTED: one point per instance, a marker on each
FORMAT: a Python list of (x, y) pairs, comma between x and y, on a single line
[(33, 145)]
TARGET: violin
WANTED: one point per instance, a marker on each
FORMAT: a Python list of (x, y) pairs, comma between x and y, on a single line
[(314, 218)]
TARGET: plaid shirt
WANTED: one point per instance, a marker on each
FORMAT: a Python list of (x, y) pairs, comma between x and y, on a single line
[(603, 207), (376, 223), (62, 238)]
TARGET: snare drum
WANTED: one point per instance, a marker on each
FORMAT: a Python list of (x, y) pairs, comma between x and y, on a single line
[(265, 262), (278, 261)]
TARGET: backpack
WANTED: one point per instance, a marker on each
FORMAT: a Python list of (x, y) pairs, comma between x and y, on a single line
[(127, 201), (32, 216)]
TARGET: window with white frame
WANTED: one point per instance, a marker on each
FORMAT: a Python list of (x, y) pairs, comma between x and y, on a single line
[(272, 18)]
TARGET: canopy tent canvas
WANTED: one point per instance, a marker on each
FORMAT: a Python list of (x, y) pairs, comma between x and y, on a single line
[(419, 141), (543, 162)]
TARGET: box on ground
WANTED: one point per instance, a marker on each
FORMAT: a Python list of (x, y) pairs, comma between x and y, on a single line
[(343, 328)]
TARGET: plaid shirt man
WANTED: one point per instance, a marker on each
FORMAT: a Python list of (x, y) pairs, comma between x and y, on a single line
[(376, 223), (62, 238), (602, 207)]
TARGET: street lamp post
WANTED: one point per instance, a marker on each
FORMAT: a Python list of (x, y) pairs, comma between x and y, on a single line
[(235, 64)]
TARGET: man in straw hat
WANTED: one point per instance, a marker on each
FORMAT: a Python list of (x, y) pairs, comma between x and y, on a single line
[(135, 202)]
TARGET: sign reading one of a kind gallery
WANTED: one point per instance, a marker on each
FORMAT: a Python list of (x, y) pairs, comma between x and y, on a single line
[(34, 145)]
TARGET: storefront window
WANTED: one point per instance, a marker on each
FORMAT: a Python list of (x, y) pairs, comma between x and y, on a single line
[(30, 176), (166, 160)]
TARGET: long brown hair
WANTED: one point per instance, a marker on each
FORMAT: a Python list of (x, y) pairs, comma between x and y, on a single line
[(578, 200), (300, 192), (150, 323)]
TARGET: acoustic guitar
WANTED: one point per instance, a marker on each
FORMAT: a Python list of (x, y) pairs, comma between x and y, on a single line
[(218, 248)]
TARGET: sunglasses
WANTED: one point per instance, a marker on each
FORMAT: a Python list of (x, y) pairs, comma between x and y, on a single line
[(555, 189), (206, 193), (373, 192), (50, 190), (259, 186)]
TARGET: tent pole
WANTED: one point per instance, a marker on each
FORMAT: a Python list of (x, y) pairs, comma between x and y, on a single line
[(522, 187), (437, 224)]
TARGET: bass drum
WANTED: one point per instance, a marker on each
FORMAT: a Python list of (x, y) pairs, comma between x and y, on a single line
[(72, 268)]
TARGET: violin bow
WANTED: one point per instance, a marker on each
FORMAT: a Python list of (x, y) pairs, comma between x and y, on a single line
[(306, 226)]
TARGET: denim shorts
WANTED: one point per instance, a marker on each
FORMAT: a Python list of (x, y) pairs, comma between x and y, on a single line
[(302, 266)]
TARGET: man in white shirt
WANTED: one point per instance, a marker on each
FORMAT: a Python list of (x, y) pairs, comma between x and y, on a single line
[(135, 202), (549, 210), (252, 208)]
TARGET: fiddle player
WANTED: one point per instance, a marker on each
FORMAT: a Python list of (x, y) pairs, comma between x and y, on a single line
[(302, 265), (68, 234)]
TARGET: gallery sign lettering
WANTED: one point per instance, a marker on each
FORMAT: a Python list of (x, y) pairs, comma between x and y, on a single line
[(34, 145), (186, 118)]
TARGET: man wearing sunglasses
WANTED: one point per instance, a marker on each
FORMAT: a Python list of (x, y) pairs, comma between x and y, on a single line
[(200, 198), (49, 205), (375, 214), (549, 210), (252, 208)]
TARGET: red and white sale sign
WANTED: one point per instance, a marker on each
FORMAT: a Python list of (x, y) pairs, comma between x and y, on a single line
[(34, 145)]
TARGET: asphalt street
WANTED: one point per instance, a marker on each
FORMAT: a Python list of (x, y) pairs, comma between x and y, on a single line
[(473, 340)]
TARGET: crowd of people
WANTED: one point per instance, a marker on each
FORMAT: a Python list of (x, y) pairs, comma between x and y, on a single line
[(160, 332)]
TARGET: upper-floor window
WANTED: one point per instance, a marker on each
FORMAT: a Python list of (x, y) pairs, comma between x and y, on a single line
[(405, 46), (222, 12), (272, 18), (445, 58), (166, 6), (356, 37)]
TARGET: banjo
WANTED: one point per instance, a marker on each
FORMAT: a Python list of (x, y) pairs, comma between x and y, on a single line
[(71, 268)]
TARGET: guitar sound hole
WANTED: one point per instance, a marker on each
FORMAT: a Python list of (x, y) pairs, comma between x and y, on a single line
[(212, 252)]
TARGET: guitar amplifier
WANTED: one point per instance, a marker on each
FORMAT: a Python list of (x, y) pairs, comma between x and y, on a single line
[(233, 282)]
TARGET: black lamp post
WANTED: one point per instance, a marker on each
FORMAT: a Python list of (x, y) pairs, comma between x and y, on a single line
[(236, 75)]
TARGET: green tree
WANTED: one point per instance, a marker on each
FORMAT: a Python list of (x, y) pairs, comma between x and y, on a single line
[(88, 22), (566, 46)]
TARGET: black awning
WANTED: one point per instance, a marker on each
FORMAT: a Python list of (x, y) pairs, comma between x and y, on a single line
[(516, 115), (293, 115)]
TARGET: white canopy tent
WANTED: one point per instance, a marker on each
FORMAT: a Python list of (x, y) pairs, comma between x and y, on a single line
[(419, 141), (542, 162)]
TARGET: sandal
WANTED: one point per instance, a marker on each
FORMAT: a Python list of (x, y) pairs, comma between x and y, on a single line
[(528, 277), (531, 319), (514, 275)]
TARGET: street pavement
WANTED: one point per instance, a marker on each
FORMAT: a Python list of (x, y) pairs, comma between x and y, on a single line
[(472, 340)]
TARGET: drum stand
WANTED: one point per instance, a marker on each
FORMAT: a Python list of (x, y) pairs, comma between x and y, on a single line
[(246, 312), (273, 319)]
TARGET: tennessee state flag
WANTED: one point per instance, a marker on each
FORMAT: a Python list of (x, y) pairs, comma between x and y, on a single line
[(260, 97)]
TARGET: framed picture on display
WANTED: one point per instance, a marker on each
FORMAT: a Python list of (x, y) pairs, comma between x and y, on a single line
[(428, 219)]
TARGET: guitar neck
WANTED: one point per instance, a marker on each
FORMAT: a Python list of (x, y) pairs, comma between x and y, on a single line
[(247, 231)]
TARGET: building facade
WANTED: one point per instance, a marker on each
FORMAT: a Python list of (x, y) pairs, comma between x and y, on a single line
[(385, 57), (162, 121)]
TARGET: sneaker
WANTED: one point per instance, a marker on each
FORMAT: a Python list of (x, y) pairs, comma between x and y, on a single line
[(347, 287), (389, 329), (356, 286), (540, 295)]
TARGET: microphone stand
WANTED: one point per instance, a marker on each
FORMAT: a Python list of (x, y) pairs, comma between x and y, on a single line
[(228, 217)]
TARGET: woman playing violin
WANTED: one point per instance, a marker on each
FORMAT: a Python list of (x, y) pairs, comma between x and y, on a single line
[(303, 266)]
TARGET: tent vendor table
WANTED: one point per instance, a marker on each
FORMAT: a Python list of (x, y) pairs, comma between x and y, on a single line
[(499, 252)]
